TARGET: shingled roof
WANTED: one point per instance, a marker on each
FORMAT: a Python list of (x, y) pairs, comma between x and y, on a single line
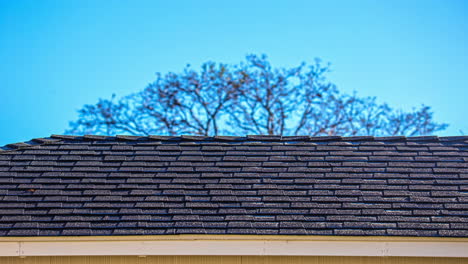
[(123, 185)]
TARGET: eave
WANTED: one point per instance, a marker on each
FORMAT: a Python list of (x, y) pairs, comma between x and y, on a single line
[(234, 245)]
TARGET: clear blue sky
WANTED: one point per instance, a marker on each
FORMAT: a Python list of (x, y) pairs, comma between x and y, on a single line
[(56, 56)]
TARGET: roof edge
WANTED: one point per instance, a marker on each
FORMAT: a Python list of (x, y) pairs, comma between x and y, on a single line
[(265, 138), (233, 237)]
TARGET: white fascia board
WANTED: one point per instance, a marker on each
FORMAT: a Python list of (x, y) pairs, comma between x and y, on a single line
[(234, 248), (9, 249)]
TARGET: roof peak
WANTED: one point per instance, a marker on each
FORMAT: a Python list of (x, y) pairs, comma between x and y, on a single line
[(265, 138)]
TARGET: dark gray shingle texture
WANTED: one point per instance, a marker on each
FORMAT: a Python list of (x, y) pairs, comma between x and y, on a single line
[(93, 185)]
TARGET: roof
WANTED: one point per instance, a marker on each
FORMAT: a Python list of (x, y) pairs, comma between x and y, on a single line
[(156, 185)]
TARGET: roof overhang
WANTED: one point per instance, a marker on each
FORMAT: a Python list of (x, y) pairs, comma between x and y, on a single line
[(230, 245)]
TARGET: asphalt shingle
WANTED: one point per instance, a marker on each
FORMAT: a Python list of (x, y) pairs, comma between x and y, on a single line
[(127, 185)]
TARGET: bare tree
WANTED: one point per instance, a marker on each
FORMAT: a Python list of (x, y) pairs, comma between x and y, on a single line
[(249, 98)]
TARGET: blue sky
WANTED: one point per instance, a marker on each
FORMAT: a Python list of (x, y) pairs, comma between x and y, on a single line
[(58, 55)]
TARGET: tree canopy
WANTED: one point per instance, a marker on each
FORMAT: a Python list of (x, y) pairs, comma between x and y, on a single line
[(251, 97)]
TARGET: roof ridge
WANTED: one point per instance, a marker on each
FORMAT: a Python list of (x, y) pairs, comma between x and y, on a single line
[(272, 138), (258, 138)]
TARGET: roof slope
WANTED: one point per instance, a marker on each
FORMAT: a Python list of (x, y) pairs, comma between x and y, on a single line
[(93, 185)]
